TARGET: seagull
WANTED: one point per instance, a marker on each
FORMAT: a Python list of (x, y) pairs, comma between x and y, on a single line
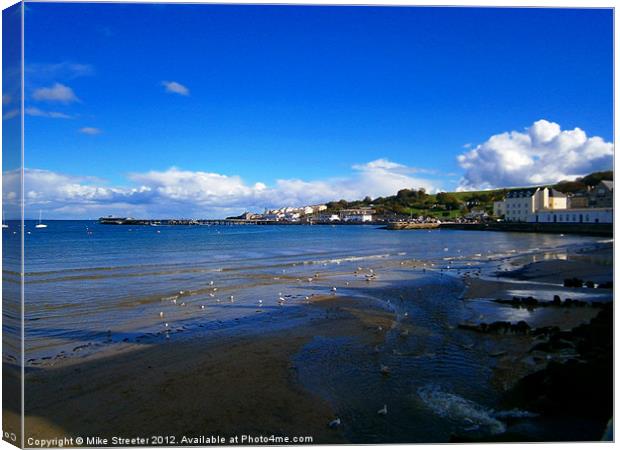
[(202, 306), (166, 324), (161, 314), (260, 303), (385, 370), (211, 283), (281, 301), (231, 298), (383, 411), (211, 294), (334, 289), (335, 423)]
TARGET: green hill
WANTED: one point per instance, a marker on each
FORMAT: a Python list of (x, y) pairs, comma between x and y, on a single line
[(453, 204)]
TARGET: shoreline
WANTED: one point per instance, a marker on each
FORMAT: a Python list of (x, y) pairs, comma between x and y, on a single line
[(553, 369), (244, 379)]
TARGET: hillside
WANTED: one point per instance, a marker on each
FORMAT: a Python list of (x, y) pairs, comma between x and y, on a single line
[(453, 204)]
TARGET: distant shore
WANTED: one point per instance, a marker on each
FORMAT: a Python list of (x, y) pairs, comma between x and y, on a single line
[(591, 229)]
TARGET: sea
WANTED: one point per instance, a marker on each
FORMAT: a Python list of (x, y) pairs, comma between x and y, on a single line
[(91, 288)]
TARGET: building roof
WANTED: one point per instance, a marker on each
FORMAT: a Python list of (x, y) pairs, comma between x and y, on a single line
[(521, 193), (608, 184)]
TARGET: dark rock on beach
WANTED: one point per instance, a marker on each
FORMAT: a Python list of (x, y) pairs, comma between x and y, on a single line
[(531, 302), (580, 388), (499, 327)]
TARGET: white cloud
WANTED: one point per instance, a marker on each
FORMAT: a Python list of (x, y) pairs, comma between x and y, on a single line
[(175, 88), (56, 93), (183, 193), (90, 130), (59, 71), (36, 112), (542, 154)]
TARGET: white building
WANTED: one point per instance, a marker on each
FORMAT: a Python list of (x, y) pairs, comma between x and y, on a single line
[(357, 215), (522, 203), (499, 208), (578, 215), (329, 218)]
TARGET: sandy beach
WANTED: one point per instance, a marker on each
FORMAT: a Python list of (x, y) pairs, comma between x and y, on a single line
[(221, 386), (289, 372)]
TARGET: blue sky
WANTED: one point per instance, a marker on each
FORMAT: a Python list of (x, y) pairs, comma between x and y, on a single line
[(329, 97)]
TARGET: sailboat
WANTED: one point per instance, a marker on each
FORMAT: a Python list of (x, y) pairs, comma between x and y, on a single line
[(4, 225), (40, 225)]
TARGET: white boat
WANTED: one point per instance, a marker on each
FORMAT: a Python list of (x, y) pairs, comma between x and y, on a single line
[(4, 225), (40, 225)]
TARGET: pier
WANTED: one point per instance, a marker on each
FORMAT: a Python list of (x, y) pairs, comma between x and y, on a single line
[(186, 222), (207, 222)]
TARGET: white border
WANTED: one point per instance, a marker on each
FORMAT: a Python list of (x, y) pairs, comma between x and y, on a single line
[(467, 3)]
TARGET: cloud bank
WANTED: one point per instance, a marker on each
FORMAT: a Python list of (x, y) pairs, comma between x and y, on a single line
[(542, 154), (182, 193)]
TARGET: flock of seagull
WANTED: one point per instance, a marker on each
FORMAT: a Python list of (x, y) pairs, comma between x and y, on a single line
[(368, 274)]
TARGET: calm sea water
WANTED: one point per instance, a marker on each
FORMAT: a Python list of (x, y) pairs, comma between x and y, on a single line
[(91, 287), (83, 279)]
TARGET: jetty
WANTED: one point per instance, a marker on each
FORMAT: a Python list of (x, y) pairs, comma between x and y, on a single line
[(206, 222), (412, 225), (187, 222)]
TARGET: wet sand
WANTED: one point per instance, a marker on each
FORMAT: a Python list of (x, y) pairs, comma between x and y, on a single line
[(222, 385)]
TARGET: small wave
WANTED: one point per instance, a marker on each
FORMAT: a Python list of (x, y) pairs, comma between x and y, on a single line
[(470, 415), (345, 259)]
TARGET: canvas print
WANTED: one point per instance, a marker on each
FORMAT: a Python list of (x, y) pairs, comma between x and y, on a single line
[(299, 224)]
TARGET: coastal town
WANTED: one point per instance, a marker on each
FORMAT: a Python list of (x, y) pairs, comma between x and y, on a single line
[(587, 200)]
